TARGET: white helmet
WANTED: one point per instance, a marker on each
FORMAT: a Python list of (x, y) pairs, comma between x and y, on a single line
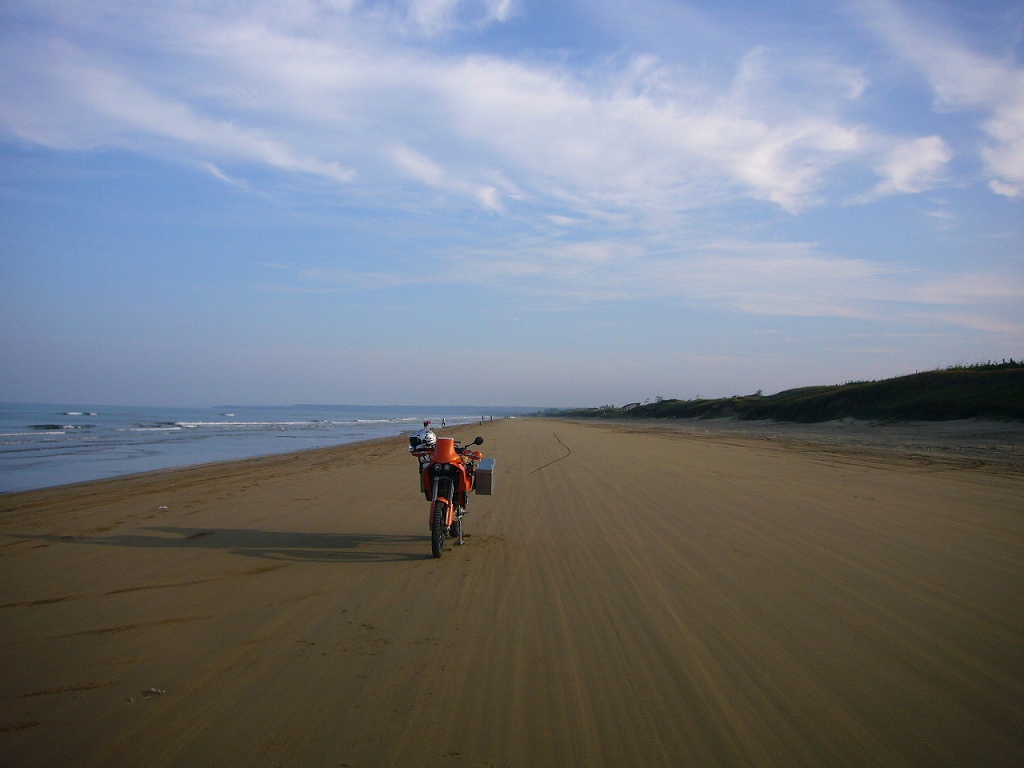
[(422, 440)]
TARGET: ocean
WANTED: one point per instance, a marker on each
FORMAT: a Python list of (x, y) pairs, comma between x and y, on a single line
[(47, 445)]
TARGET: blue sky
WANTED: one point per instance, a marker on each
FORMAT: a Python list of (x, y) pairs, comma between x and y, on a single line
[(503, 201)]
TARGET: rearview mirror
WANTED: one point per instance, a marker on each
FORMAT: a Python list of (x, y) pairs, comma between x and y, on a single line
[(478, 441)]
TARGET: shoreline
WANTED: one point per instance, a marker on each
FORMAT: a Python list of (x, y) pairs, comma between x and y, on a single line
[(984, 440), (246, 464), (41, 447)]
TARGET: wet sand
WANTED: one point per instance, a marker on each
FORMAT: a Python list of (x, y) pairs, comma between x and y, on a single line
[(629, 596)]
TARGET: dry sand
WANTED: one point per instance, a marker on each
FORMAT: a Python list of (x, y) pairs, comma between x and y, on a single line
[(627, 597)]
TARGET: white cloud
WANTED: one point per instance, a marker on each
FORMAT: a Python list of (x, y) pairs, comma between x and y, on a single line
[(490, 198), (331, 89), (430, 173), (964, 80), (624, 140), (968, 289), (794, 280), (911, 167), (419, 167), (1005, 154), (785, 279), (217, 173), (1001, 187), (81, 101), (432, 17)]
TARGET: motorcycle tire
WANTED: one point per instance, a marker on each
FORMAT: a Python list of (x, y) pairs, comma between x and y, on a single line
[(438, 527)]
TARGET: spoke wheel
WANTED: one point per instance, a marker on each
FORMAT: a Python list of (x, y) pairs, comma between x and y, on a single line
[(438, 528)]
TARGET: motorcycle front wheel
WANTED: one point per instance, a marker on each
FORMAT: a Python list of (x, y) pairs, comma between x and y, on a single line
[(438, 527)]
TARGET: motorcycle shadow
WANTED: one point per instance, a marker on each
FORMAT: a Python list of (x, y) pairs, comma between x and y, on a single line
[(273, 545)]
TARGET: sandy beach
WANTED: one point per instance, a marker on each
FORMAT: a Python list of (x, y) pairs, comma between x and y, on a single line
[(629, 596)]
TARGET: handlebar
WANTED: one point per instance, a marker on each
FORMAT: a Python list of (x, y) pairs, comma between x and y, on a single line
[(462, 450), (465, 450)]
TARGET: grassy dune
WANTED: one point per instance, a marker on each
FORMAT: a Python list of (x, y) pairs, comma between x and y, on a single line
[(986, 390)]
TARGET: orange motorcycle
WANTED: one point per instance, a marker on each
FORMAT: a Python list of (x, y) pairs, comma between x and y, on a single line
[(448, 472)]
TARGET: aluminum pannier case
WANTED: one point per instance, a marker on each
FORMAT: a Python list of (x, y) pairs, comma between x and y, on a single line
[(485, 477)]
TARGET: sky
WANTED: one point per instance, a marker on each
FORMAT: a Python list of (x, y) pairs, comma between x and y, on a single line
[(505, 202)]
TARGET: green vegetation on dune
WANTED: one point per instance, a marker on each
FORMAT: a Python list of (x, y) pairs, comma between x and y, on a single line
[(985, 391)]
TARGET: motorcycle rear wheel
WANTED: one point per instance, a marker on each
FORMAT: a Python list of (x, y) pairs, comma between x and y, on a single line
[(438, 527)]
